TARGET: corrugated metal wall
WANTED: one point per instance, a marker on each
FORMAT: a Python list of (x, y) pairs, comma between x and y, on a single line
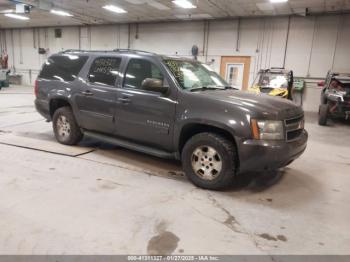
[(315, 44)]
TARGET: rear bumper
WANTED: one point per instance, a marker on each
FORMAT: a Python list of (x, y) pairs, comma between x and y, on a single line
[(43, 108), (257, 155)]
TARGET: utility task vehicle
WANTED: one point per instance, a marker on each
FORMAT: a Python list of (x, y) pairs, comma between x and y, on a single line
[(274, 82), (168, 107), (335, 97)]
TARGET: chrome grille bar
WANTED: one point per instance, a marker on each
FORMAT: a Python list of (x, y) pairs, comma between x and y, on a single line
[(294, 127)]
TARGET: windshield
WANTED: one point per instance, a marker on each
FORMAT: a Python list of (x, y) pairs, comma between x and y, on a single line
[(192, 75), (270, 80)]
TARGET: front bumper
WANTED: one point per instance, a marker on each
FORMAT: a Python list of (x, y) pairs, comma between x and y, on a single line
[(258, 155)]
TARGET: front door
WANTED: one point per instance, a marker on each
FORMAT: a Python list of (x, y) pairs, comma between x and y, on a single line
[(235, 70), (96, 99), (143, 116)]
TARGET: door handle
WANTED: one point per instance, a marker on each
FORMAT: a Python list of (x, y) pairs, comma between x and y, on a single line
[(87, 93), (124, 100)]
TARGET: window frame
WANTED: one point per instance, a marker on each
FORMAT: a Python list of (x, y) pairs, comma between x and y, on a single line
[(117, 78), (159, 66)]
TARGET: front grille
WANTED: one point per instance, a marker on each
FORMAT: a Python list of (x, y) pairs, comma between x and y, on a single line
[(266, 90), (294, 127), (292, 135), (294, 120)]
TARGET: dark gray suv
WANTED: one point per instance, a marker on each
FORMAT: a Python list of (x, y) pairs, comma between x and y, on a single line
[(169, 107)]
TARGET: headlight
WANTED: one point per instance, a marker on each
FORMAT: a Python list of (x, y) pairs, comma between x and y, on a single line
[(267, 129)]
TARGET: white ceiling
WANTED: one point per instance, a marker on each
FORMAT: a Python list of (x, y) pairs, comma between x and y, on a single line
[(91, 12)]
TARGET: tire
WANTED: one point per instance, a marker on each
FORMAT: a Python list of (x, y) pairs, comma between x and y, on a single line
[(323, 114), (201, 164), (65, 127)]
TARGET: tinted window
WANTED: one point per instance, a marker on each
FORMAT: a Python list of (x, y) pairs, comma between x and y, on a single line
[(138, 70), (64, 68), (105, 70)]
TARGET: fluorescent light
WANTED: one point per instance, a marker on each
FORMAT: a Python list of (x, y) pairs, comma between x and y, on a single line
[(20, 17), (115, 9), (59, 12), (184, 4), (278, 1), (7, 11)]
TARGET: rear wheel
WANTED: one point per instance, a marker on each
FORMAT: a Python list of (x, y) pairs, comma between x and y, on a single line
[(323, 114), (209, 161), (65, 127)]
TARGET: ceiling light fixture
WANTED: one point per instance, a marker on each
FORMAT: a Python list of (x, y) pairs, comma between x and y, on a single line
[(278, 1), (59, 12), (8, 11), (115, 9), (184, 4), (19, 17)]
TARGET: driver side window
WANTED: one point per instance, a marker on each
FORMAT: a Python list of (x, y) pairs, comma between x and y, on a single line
[(138, 70)]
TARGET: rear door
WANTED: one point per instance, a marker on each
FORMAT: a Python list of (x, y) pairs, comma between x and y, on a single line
[(96, 97), (143, 116)]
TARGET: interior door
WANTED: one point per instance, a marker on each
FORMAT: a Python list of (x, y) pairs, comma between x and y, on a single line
[(96, 98), (235, 70), (143, 116)]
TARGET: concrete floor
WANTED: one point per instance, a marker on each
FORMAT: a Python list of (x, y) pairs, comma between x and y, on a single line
[(99, 199)]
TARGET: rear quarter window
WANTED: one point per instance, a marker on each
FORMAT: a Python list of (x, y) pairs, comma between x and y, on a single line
[(63, 67)]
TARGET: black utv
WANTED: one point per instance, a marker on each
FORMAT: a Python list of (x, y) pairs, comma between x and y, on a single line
[(335, 97)]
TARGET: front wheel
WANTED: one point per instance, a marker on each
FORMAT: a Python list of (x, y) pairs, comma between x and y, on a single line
[(323, 114), (209, 161), (65, 127)]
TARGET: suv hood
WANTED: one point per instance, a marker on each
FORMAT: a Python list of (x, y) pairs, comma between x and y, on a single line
[(267, 106)]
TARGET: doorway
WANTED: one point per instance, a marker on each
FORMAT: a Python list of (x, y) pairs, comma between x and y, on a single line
[(235, 70)]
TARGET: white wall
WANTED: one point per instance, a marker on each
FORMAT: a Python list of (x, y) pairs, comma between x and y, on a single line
[(315, 44)]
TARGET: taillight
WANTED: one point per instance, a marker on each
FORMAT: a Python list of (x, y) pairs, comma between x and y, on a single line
[(321, 84), (36, 88)]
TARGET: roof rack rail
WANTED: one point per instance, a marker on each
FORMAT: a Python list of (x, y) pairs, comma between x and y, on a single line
[(118, 50), (131, 50), (85, 51)]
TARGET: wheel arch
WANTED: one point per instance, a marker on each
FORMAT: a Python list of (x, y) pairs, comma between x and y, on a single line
[(191, 129), (56, 103)]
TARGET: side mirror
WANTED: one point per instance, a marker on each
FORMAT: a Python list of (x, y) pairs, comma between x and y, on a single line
[(155, 85), (320, 84)]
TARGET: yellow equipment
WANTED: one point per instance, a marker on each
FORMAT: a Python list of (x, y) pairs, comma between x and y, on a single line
[(274, 82)]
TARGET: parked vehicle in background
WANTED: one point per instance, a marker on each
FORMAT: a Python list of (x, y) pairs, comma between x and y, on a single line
[(4, 75), (169, 107), (274, 82), (335, 97)]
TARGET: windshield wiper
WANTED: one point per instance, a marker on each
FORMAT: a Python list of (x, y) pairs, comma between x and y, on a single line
[(231, 87), (203, 88)]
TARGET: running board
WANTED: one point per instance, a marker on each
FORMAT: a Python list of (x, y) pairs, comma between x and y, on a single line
[(131, 145)]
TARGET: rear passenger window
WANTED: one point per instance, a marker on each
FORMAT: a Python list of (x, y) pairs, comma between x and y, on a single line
[(104, 70), (138, 70), (64, 67)]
